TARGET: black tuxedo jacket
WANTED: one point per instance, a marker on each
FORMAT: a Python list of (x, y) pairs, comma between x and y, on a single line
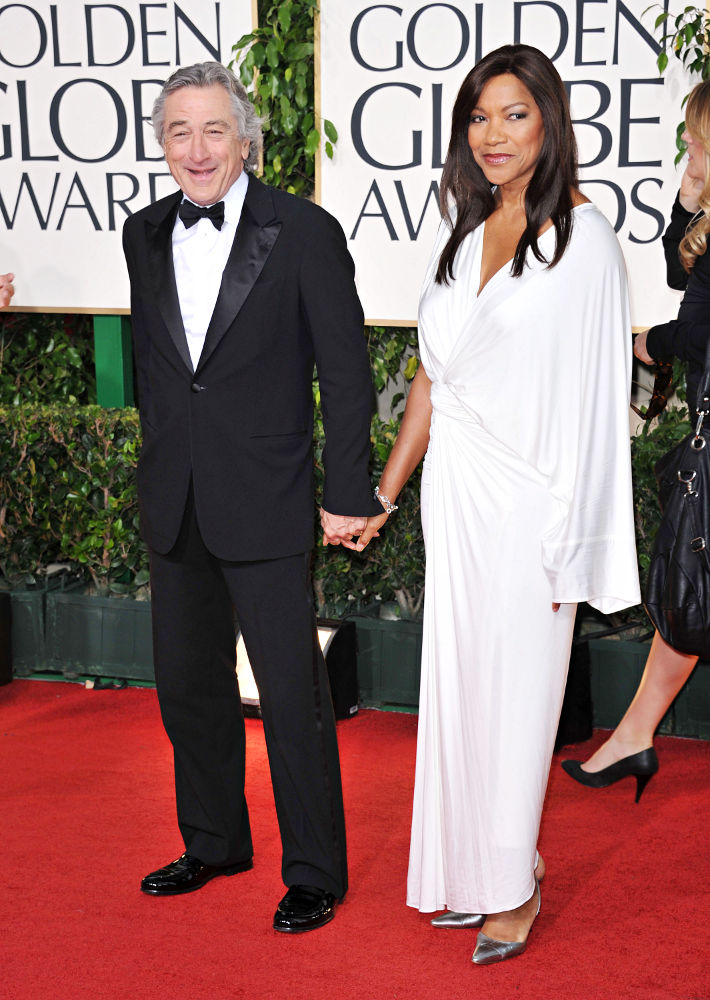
[(241, 425)]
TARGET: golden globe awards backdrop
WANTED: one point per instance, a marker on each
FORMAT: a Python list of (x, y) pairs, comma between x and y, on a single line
[(388, 76), (77, 84)]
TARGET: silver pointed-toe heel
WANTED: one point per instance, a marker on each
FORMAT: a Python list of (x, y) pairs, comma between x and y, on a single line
[(489, 951), (453, 919)]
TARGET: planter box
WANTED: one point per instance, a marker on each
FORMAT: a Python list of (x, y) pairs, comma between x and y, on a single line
[(616, 669), (100, 636), (5, 640), (389, 661), (29, 653), (691, 709)]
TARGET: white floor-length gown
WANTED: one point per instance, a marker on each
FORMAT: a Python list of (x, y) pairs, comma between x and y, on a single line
[(526, 500)]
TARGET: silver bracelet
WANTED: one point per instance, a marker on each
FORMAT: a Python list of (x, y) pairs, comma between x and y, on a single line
[(385, 501)]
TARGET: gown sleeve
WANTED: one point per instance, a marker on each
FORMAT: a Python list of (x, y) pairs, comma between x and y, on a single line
[(589, 553)]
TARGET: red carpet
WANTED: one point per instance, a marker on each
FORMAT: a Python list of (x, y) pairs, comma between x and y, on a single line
[(87, 809)]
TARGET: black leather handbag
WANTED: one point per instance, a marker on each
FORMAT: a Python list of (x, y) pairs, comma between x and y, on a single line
[(677, 597)]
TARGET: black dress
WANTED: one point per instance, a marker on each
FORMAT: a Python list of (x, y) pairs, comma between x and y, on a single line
[(687, 336)]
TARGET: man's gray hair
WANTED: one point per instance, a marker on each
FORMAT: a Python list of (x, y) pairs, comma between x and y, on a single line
[(207, 74)]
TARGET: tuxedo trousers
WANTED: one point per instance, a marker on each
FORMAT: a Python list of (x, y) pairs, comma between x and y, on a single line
[(194, 597)]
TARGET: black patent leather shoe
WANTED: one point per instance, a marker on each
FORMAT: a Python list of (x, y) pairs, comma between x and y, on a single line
[(186, 874), (642, 766), (303, 908)]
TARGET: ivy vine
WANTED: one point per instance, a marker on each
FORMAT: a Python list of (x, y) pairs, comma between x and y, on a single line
[(275, 64), (687, 37)]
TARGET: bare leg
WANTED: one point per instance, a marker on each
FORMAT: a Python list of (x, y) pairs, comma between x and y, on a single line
[(540, 868), (665, 673)]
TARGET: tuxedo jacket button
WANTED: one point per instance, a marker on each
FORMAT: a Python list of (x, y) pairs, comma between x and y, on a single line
[(196, 387)]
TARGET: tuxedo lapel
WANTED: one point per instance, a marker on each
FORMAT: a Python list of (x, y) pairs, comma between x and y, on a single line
[(256, 234), (160, 260)]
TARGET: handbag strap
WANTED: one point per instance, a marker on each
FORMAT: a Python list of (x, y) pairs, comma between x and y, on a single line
[(702, 404)]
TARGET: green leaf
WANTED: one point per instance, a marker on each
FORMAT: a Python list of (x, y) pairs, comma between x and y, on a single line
[(272, 53), (329, 150), (297, 51), (330, 130), (289, 121), (662, 61), (243, 41), (285, 15), (410, 369), (312, 142)]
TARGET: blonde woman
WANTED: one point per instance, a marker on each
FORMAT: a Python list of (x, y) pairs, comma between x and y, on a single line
[(629, 750)]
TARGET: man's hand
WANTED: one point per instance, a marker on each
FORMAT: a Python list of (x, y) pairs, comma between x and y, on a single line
[(338, 529), (7, 289)]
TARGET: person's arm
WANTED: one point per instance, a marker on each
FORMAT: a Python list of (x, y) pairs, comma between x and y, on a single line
[(335, 321), (7, 289), (407, 452)]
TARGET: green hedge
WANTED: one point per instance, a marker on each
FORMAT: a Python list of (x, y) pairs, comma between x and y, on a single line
[(46, 357), (67, 482)]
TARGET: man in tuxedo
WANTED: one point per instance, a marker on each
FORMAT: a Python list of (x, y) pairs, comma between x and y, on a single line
[(237, 290)]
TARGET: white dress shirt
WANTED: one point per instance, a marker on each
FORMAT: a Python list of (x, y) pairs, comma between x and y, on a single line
[(199, 256)]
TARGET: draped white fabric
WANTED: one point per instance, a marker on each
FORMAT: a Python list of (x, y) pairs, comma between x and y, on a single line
[(526, 500)]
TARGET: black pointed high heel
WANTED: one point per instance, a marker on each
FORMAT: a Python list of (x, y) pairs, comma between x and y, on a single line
[(642, 766)]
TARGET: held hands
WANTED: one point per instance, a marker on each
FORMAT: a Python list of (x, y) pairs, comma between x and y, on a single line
[(7, 289), (338, 529)]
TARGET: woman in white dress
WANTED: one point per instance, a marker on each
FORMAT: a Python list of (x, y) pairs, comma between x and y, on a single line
[(521, 406)]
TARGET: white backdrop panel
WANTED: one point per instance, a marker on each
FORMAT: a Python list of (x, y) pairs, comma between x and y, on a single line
[(77, 84), (389, 73)]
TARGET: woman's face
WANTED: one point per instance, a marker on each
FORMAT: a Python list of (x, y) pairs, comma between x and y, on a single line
[(506, 133), (697, 157)]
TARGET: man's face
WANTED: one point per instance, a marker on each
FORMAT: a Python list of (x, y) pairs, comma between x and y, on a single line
[(202, 145)]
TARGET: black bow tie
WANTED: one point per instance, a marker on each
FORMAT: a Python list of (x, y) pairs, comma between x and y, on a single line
[(191, 213)]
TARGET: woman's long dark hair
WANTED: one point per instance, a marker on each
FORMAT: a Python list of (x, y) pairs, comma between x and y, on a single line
[(549, 193)]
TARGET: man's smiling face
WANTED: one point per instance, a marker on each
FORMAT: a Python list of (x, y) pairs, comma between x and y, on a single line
[(202, 145)]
